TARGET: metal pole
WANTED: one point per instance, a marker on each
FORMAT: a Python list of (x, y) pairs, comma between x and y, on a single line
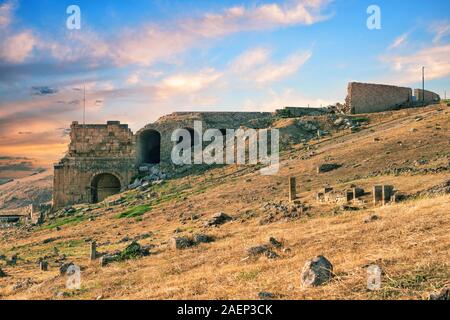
[(423, 85), (84, 118), (84, 106)]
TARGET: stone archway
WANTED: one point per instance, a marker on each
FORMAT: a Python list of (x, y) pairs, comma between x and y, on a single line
[(103, 186), (149, 146)]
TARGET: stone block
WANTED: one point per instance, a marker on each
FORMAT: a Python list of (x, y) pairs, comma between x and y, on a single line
[(292, 189), (377, 194)]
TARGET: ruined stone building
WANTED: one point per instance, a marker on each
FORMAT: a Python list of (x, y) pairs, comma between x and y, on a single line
[(103, 159), (370, 98)]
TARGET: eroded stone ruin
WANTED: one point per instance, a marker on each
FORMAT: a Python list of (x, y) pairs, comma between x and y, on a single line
[(370, 98), (103, 159)]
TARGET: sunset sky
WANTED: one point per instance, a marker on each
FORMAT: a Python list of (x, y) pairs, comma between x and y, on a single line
[(142, 59)]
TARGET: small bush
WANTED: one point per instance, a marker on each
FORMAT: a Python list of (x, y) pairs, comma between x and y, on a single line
[(135, 212)]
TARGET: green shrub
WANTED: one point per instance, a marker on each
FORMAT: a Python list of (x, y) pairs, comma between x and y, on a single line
[(135, 212)]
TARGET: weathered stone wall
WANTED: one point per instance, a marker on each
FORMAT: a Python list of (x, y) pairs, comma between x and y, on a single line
[(430, 97), (296, 112), (166, 125), (94, 150), (370, 98), (113, 150), (110, 140)]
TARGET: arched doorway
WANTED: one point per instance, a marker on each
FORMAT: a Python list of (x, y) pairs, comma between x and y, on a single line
[(149, 144), (103, 186)]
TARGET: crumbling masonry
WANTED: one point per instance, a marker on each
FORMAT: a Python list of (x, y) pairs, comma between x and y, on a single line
[(103, 159)]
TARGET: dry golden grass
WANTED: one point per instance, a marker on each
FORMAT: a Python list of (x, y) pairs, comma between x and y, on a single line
[(411, 241)]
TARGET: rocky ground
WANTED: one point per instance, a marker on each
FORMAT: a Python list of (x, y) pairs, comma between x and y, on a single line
[(230, 233)]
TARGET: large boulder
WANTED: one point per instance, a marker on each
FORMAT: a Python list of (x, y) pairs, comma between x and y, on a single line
[(181, 243), (203, 238), (316, 272)]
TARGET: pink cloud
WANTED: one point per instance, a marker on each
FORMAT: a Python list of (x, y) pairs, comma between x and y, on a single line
[(18, 47)]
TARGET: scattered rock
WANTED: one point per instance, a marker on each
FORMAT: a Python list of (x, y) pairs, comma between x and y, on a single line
[(266, 296), (181, 243), (278, 211), (2, 273), (316, 272), (275, 243), (63, 269), (125, 239), (203, 238), (327, 167), (218, 219), (109, 258), (69, 210), (49, 240), (23, 285), (137, 183), (13, 260), (258, 250), (262, 250), (444, 294), (371, 218), (339, 121), (272, 255)]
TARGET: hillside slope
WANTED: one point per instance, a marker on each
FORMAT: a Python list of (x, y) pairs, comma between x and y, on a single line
[(410, 240)]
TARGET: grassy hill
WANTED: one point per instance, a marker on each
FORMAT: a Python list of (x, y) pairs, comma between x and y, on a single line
[(409, 240)]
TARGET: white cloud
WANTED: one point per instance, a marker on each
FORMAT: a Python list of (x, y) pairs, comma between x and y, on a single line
[(6, 13), (276, 72), (399, 41), (188, 83), (133, 78), (255, 66), (150, 43), (18, 47), (407, 68), (250, 59), (440, 29)]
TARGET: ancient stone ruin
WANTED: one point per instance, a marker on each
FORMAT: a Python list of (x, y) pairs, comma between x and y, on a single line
[(370, 98), (104, 159)]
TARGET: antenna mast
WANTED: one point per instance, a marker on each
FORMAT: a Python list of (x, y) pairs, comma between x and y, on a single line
[(84, 117)]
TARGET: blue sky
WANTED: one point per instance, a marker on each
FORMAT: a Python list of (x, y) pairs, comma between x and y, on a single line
[(142, 59)]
